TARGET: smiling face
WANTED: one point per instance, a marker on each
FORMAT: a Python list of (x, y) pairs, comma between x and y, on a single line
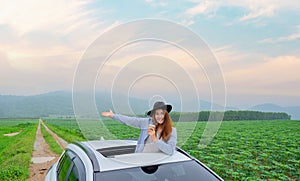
[(159, 116)]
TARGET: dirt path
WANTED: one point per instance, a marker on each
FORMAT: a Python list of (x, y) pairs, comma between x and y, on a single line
[(62, 143), (42, 157), (12, 134)]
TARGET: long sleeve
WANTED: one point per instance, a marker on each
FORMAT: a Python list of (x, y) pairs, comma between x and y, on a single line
[(141, 123), (169, 146)]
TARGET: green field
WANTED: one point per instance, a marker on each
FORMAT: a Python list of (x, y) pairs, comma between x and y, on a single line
[(252, 150), (15, 151), (241, 150)]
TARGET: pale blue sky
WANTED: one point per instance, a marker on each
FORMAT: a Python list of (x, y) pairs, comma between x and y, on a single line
[(257, 43)]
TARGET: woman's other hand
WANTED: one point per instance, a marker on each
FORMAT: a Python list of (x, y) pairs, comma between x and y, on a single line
[(108, 114)]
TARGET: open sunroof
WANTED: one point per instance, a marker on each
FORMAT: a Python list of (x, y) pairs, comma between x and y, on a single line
[(119, 150)]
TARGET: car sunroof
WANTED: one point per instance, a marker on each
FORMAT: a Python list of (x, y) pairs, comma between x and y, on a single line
[(120, 150)]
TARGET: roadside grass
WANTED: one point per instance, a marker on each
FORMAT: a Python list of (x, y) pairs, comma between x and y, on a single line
[(54, 146), (69, 135), (16, 152), (93, 130), (15, 123)]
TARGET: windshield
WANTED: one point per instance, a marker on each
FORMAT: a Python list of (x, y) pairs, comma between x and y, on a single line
[(180, 171)]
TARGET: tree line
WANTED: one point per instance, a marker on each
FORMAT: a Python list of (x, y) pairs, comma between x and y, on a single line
[(228, 116)]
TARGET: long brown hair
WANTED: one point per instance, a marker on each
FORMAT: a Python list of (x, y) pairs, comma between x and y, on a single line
[(166, 126)]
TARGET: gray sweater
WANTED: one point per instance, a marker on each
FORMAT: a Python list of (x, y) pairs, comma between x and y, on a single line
[(167, 147)]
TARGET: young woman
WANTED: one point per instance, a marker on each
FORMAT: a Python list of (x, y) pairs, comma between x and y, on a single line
[(157, 133)]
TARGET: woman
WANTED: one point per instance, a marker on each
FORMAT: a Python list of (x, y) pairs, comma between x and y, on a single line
[(157, 133)]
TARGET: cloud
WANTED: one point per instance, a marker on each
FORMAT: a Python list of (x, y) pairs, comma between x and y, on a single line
[(272, 76), (291, 37), (38, 29), (230, 58), (42, 42), (257, 12), (257, 74), (204, 7), (34, 15), (253, 8), (28, 74)]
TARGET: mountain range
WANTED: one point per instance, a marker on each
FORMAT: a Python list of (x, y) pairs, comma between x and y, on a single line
[(60, 103), (294, 111)]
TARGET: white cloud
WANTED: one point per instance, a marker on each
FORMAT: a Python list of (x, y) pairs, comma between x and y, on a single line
[(30, 75), (47, 39), (43, 29), (34, 15), (231, 59), (264, 76), (253, 8), (272, 76), (204, 7), (43, 42), (291, 37), (257, 12)]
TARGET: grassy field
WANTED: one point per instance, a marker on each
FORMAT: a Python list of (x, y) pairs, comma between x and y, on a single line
[(241, 150), (252, 150), (15, 151)]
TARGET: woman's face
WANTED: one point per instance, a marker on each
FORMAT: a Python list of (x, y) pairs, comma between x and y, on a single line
[(159, 116)]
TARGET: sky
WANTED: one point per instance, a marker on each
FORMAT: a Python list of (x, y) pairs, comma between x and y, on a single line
[(256, 44)]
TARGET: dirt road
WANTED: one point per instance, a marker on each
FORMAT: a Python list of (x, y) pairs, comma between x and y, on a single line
[(42, 157)]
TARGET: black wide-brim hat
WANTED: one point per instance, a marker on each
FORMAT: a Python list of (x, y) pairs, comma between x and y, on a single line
[(160, 105)]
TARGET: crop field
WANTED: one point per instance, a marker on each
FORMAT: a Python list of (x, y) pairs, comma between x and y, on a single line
[(15, 151), (252, 150), (241, 150)]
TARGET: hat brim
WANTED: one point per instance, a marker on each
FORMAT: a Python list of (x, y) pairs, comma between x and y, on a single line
[(169, 108)]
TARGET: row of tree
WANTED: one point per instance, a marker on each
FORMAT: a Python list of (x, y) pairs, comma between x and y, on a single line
[(228, 116)]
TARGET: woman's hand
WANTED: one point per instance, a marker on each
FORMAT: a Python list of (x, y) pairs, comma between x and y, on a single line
[(151, 133), (108, 114)]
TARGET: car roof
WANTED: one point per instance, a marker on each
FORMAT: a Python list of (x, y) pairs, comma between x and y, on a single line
[(101, 144), (119, 154)]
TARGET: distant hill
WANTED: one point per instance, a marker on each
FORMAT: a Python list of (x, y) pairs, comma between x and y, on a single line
[(57, 103), (60, 103), (54, 103), (268, 107)]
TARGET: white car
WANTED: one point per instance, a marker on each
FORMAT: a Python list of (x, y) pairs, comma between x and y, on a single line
[(109, 160)]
